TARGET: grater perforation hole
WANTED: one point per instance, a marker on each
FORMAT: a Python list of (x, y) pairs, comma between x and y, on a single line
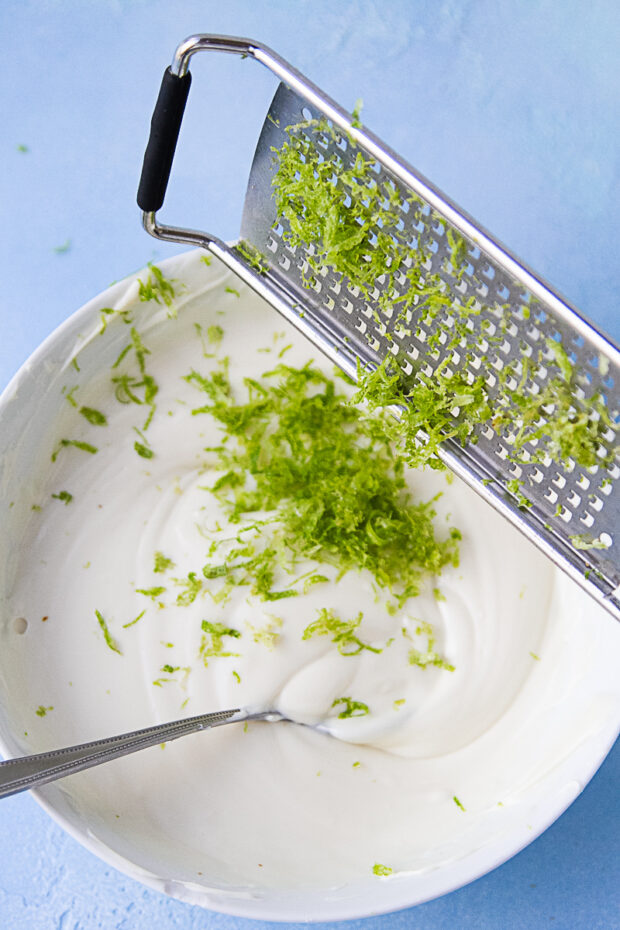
[(595, 502)]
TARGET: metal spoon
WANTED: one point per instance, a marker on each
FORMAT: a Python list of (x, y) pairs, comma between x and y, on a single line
[(32, 771)]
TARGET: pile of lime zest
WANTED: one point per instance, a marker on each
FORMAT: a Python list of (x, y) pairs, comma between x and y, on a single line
[(95, 417), (252, 256), (327, 476), (135, 620), (161, 563), (382, 870), (586, 541), (342, 632), (76, 444), (344, 219), (153, 593), (193, 587), (351, 708), (212, 642), (156, 287), (136, 388), (41, 710), (63, 496), (109, 639), (458, 803), (428, 657), (268, 634), (108, 313)]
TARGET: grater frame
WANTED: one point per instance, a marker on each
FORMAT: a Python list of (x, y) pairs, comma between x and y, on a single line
[(280, 283)]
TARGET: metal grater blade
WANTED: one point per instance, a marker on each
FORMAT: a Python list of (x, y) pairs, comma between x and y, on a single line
[(566, 500), (519, 316)]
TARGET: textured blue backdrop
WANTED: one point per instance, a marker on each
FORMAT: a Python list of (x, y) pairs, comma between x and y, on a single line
[(513, 108)]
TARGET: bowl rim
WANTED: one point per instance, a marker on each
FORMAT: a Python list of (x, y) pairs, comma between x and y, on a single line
[(391, 893)]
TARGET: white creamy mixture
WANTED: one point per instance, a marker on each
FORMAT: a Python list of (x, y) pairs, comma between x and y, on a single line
[(442, 760)]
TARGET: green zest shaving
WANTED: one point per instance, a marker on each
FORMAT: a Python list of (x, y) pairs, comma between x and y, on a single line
[(215, 334), (428, 657), (252, 256), (63, 496), (351, 708), (108, 313), (137, 387), (458, 803), (41, 711), (77, 444), (156, 287), (192, 585), (135, 620), (153, 593), (143, 451), (93, 416), (212, 644), (585, 541), (381, 870), (268, 634), (342, 632), (161, 563), (109, 639)]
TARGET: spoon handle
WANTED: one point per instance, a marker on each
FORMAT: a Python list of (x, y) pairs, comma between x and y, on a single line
[(32, 771)]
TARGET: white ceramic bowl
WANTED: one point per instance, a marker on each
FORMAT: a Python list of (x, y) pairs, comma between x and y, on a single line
[(26, 407)]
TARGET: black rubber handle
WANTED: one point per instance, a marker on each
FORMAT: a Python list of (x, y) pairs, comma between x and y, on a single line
[(165, 126)]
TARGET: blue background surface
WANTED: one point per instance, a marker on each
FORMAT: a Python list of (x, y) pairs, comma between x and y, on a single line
[(512, 108)]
